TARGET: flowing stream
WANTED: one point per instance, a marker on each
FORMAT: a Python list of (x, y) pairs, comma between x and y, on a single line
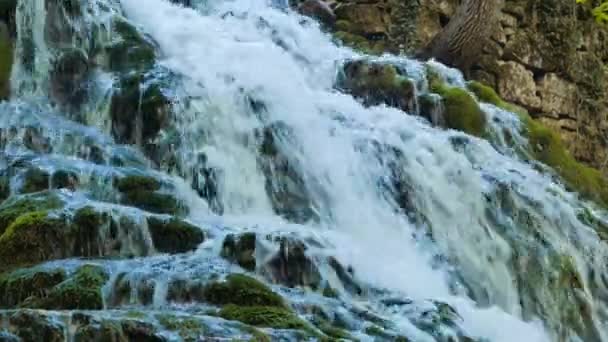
[(486, 231)]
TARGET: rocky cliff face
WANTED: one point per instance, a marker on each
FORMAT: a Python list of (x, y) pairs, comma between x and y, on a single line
[(547, 56)]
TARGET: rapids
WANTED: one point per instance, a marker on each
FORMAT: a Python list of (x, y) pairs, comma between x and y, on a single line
[(488, 231)]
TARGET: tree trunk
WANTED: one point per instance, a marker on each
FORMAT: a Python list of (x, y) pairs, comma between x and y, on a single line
[(461, 41)]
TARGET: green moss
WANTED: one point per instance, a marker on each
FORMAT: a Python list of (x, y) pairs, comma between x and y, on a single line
[(242, 290), (174, 235), (132, 52), (332, 331), (461, 111), (15, 287), (32, 238), (263, 316), (15, 207), (137, 182), (153, 202), (330, 292), (359, 43), (548, 147), (188, 328), (257, 335), (486, 94), (82, 291)]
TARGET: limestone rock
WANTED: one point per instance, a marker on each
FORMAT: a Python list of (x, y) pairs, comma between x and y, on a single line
[(516, 84)]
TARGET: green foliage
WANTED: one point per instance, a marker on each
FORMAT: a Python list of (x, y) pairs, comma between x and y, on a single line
[(598, 9), (17, 206)]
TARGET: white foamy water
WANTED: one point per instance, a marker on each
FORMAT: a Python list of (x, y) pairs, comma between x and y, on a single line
[(248, 47)]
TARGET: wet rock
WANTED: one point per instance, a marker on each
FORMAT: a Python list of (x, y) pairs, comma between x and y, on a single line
[(141, 331), (81, 291), (174, 235), (190, 329), (185, 291), (17, 206), (291, 266), (5, 336), (68, 76), (35, 180), (34, 327), (460, 110), (62, 179), (290, 196), (142, 192), (205, 180), (263, 316), (318, 10), (102, 331), (242, 290), (346, 276), (20, 285), (53, 289), (35, 140), (240, 249), (378, 83)]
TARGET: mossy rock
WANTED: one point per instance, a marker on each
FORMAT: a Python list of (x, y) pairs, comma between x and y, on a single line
[(132, 52), (332, 331), (138, 99), (358, 42), (240, 249), (461, 111), (377, 83), (174, 235), (242, 290), (154, 202), (189, 329), (30, 325), (548, 147), (81, 291), (104, 331), (15, 287), (35, 180), (17, 206), (137, 183), (263, 316), (32, 238), (63, 179)]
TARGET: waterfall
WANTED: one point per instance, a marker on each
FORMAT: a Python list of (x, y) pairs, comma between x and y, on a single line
[(254, 136)]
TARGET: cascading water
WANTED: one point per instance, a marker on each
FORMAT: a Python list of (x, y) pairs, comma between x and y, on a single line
[(489, 246)]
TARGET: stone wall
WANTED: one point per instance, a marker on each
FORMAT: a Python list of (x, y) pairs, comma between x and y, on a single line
[(548, 56)]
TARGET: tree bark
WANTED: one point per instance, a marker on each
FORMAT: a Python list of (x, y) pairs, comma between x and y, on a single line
[(461, 41)]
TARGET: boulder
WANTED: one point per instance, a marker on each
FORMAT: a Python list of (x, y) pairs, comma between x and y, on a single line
[(319, 10)]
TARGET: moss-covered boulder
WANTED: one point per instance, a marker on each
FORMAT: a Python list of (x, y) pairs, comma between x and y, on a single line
[(34, 326), (174, 235), (240, 249), (63, 179), (132, 50), (142, 192), (460, 109), (242, 290), (263, 316), (20, 285), (32, 238), (17, 206), (53, 289), (378, 83), (547, 146)]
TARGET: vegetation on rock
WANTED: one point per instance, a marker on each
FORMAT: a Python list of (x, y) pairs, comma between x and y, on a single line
[(460, 110), (174, 235), (242, 290), (263, 316)]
